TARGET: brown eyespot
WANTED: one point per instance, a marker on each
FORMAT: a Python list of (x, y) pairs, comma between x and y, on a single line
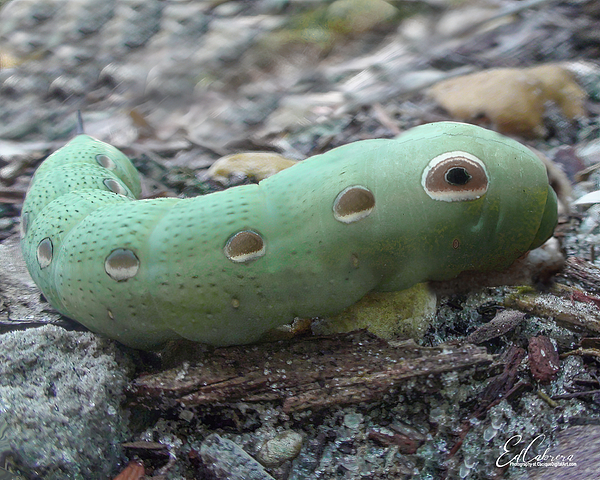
[(115, 186), (353, 204), (105, 161), (24, 224), (244, 246), (121, 264), (455, 176), (45, 252)]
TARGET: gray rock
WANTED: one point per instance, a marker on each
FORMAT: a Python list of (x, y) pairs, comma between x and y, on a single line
[(284, 446), (20, 299), (60, 395), (228, 461)]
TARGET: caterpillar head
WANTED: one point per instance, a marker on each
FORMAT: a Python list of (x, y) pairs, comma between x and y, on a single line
[(483, 199)]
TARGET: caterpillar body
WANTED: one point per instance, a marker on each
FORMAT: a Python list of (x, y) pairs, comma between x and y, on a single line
[(224, 268)]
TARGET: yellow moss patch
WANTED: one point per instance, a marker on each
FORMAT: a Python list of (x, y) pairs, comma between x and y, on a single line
[(257, 165), (8, 61), (358, 16), (317, 29), (512, 99), (403, 314)]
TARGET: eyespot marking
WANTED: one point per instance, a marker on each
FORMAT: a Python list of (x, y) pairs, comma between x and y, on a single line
[(115, 186), (455, 176), (458, 176), (105, 161), (244, 246), (24, 227), (353, 204), (45, 252), (121, 264)]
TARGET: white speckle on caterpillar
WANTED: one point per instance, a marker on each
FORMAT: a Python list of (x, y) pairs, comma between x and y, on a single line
[(353, 204)]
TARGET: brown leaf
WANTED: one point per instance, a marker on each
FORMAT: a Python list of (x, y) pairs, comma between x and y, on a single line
[(502, 323), (406, 444), (133, 471), (583, 272), (543, 359)]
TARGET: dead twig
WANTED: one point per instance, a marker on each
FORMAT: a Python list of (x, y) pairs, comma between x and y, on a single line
[(304, 373)]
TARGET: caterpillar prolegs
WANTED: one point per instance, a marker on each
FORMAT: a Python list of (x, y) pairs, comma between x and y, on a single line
[(224, 268)]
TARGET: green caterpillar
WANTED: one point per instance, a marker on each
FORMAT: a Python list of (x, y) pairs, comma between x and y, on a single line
[(375, 215)]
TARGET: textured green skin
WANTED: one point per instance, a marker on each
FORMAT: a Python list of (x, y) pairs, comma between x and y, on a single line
[(187, 287)]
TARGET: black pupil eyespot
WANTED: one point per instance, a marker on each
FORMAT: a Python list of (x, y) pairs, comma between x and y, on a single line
[(457, 176)]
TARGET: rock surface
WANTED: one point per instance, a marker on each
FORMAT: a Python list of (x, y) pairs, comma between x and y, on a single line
[(61, 396)]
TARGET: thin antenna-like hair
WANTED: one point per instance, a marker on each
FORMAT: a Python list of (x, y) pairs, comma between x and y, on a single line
[(79, 130)]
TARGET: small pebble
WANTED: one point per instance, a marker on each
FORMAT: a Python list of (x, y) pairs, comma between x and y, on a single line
[(228, 461), (353, 420), (186, 415), (283, 447)]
